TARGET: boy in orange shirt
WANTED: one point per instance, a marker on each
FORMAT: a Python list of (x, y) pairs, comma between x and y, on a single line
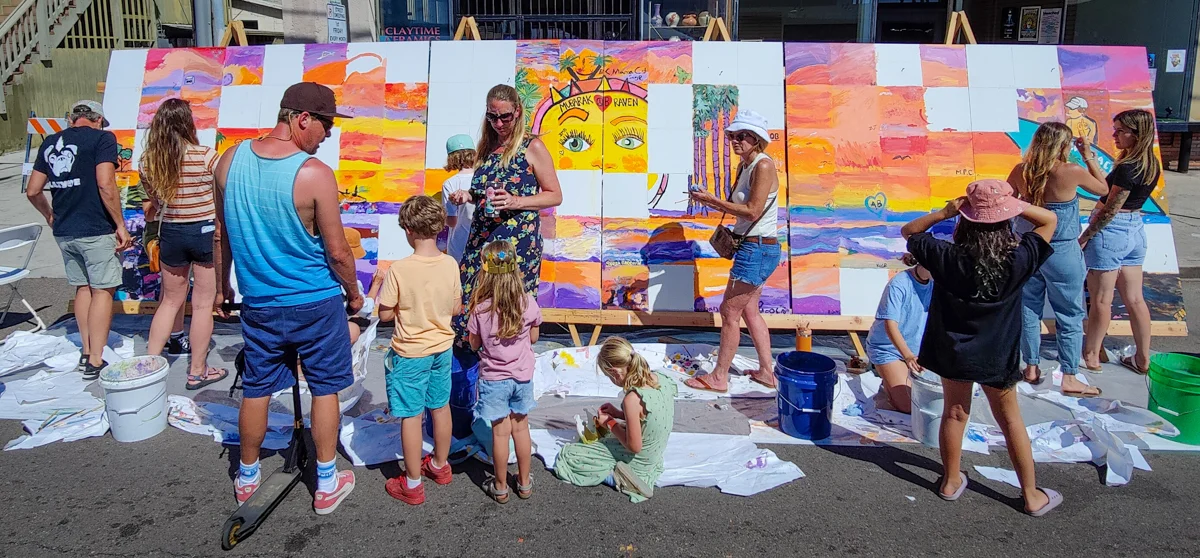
[(422, 293)]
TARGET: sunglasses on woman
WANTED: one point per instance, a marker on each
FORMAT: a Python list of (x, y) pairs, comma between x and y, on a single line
[(744, 136), (502, 117)]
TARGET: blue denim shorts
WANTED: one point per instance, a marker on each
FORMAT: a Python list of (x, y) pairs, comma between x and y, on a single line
[(315, 332), (416, 384), (1119, 244), (754, 263), (499, 398)]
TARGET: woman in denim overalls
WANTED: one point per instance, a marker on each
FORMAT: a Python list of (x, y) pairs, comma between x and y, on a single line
[(1045, 178)]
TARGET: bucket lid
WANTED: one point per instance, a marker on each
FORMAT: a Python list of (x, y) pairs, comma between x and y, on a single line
[(132, 369)]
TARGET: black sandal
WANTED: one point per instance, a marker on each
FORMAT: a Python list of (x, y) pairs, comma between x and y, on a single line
[(204, 380), (1037, 379)]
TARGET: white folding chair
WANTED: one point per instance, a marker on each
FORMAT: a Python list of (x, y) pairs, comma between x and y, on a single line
[(23, 237)]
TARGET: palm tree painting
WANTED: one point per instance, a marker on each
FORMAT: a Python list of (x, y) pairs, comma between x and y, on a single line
[(567, 63), (713, 108)]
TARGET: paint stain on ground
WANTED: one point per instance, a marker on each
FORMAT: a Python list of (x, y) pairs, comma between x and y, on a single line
[(298, 541)]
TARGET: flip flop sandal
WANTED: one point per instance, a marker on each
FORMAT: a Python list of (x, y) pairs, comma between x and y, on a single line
[(957, 493), (205, 380), (704, 385), (1127, 362), (1084, 394), (760, 382), (500, 496), (1055, 500), (525, 491), (1038, 379)]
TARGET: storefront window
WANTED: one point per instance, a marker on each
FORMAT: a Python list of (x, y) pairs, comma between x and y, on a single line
[(685, 20), (414, 20), (807, 20)]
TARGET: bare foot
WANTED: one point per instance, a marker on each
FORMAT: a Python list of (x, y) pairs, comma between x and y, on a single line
[(764, 377), (1073, 387), (1037, 502), (709, 382)]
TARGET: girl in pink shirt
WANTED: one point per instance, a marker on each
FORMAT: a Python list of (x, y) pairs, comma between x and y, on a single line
[(503, 326)]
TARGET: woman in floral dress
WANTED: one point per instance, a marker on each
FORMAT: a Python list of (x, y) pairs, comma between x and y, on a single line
[(520, 172)]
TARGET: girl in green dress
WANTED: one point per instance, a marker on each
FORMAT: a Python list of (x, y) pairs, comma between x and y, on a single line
[(630, 457)]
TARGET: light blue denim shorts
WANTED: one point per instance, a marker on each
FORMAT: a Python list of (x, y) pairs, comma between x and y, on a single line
[(499, 398), (754, 263), (1121, 243)]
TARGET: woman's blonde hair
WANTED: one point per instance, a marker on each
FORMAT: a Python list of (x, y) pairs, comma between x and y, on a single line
[(616, 352), (500, 283), (1051, 145), (1145, 163), (461, 159), (172, 131), (489, 140)]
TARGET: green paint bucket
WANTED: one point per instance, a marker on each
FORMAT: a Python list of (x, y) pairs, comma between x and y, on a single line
[(1175, 393)]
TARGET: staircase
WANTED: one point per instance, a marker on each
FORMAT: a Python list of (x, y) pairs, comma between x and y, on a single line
[(31, 30)]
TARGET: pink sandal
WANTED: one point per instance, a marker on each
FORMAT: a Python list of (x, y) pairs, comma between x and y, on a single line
[(703, 384)]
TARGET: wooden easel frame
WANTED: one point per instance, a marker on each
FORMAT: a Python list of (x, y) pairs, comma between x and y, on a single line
[(716, 30), (237, 30), (468, 29), (958, 19)]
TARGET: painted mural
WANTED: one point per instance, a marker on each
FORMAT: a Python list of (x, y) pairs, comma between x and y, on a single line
[(865, 137)]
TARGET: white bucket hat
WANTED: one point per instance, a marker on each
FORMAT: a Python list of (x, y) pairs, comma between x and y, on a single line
[(750, 121)]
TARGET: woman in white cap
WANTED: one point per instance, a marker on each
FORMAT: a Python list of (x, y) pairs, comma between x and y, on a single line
[(460, 159), (755, 204)]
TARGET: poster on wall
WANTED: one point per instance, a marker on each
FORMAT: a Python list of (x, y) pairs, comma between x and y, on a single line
[(428, 20), (1050, 29), (1176, 60), (1030, 16), (1009, 24)]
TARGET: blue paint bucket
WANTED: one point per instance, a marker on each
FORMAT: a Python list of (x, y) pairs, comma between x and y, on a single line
[(805, 400), (464, 374)]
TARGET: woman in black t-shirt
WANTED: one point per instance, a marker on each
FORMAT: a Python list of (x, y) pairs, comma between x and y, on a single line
[(974, 325), (1114, 244)]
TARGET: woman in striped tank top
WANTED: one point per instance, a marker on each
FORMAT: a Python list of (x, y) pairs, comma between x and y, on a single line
[(177, 173)]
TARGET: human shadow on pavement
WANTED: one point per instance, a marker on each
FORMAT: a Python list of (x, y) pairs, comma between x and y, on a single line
[(892, 460)]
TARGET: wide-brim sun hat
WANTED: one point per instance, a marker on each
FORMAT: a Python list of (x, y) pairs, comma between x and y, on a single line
[(991, 201), (750, 121)]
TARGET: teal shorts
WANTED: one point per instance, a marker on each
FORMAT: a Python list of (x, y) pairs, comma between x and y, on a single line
[(416, 384)]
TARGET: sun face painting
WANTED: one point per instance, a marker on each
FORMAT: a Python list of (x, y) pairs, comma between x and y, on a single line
[(595, 124)]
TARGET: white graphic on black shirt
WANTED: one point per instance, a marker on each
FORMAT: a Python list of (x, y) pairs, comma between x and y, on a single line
[(61, 159)]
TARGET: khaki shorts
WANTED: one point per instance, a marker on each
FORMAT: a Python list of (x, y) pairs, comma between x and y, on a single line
[(91, 261)]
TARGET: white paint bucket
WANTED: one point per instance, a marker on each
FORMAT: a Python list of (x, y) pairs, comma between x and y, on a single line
[(927, 405), (135, 397)]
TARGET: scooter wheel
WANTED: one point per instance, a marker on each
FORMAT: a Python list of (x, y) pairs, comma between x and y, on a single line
[(229, 537)]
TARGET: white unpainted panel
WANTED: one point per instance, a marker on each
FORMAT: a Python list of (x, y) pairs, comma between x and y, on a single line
[(126, 68), (760, 63), (1036, 66), (949, 109), (581, 193), (121, 105), (139, 146), (672, 288), (670, 150), (766, 100), (622, 193), (993, 109), (268, 110), (404, 61), (495, 62), (1160, 249), (451, 61), (861, 289), (448, 104), (241, 106), (669, 105), (283, 65), (330, 150), (989, 66), (207, 138), (898, 65), (715, 63), (393, 243)]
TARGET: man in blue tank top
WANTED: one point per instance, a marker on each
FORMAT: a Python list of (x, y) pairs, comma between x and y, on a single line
[(280, 224)]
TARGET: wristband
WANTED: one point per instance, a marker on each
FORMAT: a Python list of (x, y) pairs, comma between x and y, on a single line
[(610, 423)]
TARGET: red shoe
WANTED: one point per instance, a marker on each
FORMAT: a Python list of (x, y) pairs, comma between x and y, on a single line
[(398, 488), (440, 476), (326, 502), (243, 492)]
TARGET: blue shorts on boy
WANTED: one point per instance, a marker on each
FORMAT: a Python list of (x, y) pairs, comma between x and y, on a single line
[(905, 301), (416, 384), (499, 398), (316, 332)]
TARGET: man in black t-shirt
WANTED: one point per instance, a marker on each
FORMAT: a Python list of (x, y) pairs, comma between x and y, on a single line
[(78, 166)]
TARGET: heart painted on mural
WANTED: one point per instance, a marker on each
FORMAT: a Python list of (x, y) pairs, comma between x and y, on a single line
[(603, 101), (876, 203)]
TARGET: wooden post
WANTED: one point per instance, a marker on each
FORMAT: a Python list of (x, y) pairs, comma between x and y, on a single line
[(467, 28), (717, 25), (958, 20), (117, 14), (44, 46), (235, 29)]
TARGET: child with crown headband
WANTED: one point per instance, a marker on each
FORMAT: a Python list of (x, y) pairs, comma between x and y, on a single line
[(503, 325)]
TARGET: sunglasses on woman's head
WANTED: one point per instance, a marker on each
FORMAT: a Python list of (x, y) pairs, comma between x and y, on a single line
[(504, 117)]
